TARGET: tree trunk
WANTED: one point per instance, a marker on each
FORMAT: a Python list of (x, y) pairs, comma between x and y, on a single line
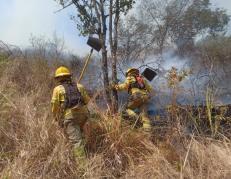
[(113, 38), (105, 75), (114, 79), (102, 37)]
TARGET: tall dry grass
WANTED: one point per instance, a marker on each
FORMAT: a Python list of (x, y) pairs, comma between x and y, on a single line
[(32, 145)]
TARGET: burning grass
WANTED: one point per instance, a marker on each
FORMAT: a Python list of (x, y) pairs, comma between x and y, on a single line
[(32, 145)]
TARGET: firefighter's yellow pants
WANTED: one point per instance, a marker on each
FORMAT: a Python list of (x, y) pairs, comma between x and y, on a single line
[(138, 101), (74, 131)]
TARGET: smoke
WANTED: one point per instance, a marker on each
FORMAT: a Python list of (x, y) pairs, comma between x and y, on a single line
[(161, 64), (192, 90)]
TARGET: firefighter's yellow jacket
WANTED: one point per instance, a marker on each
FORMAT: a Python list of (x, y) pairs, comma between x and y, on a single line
[(58, 99), (131, 79)]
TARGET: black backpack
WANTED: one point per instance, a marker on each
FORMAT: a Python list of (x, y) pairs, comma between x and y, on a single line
[(73, 96)]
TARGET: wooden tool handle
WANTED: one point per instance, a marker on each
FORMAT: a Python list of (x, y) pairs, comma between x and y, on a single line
[(85, 66)]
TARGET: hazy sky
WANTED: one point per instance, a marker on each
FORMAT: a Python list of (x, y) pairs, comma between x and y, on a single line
[(21, 18)]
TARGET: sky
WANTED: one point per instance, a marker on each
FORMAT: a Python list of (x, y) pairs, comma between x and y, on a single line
[(19, 19)]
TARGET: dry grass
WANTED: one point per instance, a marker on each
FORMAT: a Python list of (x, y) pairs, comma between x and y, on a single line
[(32, 146)]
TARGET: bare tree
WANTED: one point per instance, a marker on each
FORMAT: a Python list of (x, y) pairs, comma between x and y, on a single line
[(180, 21), (164, 23), (212, 64), (92, 18)]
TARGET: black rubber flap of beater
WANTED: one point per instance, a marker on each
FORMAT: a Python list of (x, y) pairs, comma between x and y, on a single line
[(94, 43), (149, 74)]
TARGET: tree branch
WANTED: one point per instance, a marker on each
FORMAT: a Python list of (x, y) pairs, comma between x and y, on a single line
[(64, 7)]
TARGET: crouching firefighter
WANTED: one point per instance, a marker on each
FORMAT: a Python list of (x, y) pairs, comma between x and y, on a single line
[(69, 107), (139, 94)]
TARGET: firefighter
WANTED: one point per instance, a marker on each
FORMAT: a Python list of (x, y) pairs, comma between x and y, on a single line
[(139, 94), (69, 107)]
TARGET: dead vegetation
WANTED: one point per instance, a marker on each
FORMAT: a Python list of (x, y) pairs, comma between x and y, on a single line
[(32, 145)]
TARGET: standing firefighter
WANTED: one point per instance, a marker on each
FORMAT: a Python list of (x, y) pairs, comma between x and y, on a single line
[(69, 107), (138, 90)]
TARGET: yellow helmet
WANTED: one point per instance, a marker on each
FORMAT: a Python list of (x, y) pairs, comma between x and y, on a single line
[(62, 71), (132, 70)]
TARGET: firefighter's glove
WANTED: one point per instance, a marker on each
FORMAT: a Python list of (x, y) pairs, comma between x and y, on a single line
[(114, 87)]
